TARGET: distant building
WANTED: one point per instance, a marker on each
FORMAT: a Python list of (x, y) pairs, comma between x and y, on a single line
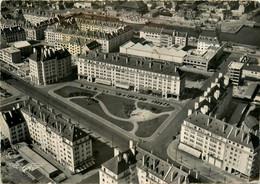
[(170, 54), (151, 169), (121, 168), (220, 144), (251, 72), (58, 137), (13, 126), (181, 38), (235, 72), (203, 59), (135, 6), (98, 25), (77, 46), (13, 34), (206, 40), (48, 66), (86, 5), (3, 43), (159, 36), (109, 41), (250, 124), (132, 73), (10, 55)]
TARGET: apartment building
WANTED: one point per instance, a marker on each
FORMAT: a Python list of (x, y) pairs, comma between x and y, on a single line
[(24, 46), (131, 73), (13, 34), (216, 99), (77, 46), (13, 126), (170, 54), (98, 25), (235, 72), (220, 144), (152, 170), (120, 168), (48, 66), (158, 36), (206, 40), (251, 72), (58, 137), (109, 41), (181, 38), (203, 59), (10, 55)]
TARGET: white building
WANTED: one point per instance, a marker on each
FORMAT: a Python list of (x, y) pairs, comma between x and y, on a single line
[(109, 41), (235, 72), (49, 66), (131, 73), (10, 55), (251, 71), (58, 137), (170, 54), (181, 39), (153, 170), (121, 168), (220, 144), (159, 36), (206, 40), (13, 126)]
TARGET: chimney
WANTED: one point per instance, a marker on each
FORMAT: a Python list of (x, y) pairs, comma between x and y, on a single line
[(209, 99), (224, 128), (105, 56), (226, 81), (143, 160), (189, 112), (248, 138), (126, 60), (208, 121), (196, 105), (220, 75), (125, 156), (116, 152), (18, 105), (119, 158), (151, 64)]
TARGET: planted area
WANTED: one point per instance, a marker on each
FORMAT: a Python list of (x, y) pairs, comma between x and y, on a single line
[(93, 106), (120, 107), (154, 108), (147, 128), (69, 91)]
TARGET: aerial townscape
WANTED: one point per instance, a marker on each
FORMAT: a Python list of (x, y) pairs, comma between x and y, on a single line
[(129, 92)]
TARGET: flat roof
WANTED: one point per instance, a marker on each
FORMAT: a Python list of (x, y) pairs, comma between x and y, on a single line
[(236, 65), (35, 158), (11, 50), (21, 44), (255, 68)]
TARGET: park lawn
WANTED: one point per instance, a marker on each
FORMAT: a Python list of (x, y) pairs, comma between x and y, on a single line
[(147, 128), (120, 107), (154, 108), (93, 106), (70, 91)]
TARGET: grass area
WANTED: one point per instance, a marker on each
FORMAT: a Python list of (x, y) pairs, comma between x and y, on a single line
[(154, 108), (120, 107), (147, 128), (191, 93), (195, 77), (70, 91), (94, 107)]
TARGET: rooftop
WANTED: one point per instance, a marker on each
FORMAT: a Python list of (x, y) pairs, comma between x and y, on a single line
[(134, 62), (236, 65), (255, 68), (13, 117), (11, 50), (55, 122), (223, 129), (157, 30), (21, 44)]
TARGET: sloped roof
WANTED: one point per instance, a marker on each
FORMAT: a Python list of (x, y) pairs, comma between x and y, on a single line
[(13, 117)]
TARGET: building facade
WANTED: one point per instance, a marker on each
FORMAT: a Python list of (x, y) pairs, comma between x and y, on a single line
[(13, 126), (58, 137), (10, 55), (131, 73), (49, 66), (13, 34), (206, 40), (158, 36), (251, 71), (220, 144), (109, 41), (235, 72)]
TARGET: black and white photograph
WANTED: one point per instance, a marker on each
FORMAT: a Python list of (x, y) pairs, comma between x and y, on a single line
[(129, 92)]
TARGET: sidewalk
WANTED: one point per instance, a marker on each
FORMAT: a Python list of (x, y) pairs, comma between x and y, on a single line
[(206, 170)]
